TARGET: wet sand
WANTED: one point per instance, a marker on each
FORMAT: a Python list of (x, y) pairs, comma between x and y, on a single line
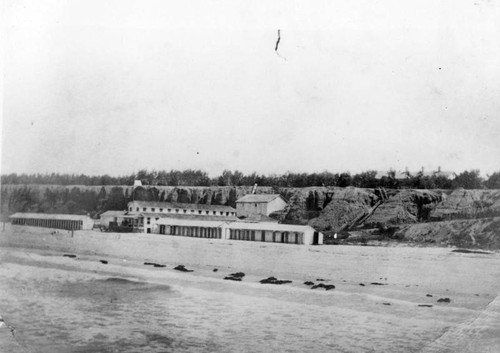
[(399, 313)]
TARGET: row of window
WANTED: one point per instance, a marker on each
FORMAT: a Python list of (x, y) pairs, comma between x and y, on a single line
[(198, 232), (48, 223), (260, 235), (177, 210)]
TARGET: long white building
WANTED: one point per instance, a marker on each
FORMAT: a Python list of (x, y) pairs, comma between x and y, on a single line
[(48, 220), (248, 222), (175, 209), (246, 231)]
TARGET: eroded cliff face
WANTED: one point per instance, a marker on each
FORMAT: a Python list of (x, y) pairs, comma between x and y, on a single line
[(468, 233), (405, 206), (467, 203), (328, 209)]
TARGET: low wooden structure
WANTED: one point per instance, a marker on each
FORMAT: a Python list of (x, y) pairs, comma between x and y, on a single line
[(58, 221)]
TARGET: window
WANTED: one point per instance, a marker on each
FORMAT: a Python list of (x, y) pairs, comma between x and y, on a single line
[(215, 213), (144, 209), (161, 209), (152, 209), (137, 209), (199, 212), (255, 205), (177, 210), (227, 213), (130, 209), (207, 212), (157, 218), (192, 211), (149, 220), (221, 213), (185, 211)]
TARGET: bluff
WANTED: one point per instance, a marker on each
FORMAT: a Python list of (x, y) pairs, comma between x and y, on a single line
[(328, 209)]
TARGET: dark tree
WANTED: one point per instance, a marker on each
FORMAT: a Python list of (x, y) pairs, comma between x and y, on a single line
[(468, 180), (493, 181)]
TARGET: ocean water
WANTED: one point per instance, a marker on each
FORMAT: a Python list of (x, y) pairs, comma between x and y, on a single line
[(67, 306), (55, 310)]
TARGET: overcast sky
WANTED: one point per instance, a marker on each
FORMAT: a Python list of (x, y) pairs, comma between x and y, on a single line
[(115, 86)]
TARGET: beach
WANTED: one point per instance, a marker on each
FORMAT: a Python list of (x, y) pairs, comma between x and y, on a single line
[(105, 299)]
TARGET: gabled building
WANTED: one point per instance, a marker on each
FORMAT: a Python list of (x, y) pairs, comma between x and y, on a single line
[(406, 174), (174, 208), (259, 204), (150, 212), (445, 174)]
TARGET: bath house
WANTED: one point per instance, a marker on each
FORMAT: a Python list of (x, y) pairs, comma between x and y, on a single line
[(59, 221), (239, 230)]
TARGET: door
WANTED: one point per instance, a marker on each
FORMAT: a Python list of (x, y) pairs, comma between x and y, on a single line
[(315, 238)]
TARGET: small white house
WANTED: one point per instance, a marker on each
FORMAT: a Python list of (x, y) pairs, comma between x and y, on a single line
[(261, 204)]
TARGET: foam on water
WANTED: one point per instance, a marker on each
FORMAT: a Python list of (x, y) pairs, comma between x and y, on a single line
[(82, 306)]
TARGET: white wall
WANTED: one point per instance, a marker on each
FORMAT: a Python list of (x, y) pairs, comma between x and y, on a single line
[(247, 209), (275, 205)]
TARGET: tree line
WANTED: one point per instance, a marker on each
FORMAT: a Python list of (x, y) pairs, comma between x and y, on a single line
[(193, 177), (73, 200)]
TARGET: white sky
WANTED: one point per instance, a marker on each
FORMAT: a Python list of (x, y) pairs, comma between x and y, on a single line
[(112, 87)]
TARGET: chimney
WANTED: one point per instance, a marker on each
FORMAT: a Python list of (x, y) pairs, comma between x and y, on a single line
[(439, 169)]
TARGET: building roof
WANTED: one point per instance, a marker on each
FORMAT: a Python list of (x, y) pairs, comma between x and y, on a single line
[(402, 175), (191, 222), (124, 214), (406, 174), (449, 175), (113, 213), (63, 217), (258, 218), (189, 217), (380, 174), (269, 226), (259, 198), (190, 206)]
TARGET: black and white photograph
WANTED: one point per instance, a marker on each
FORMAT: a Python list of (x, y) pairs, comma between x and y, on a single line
[(249, 176)]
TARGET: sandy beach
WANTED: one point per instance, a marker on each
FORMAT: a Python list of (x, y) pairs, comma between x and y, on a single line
[(386, 299)]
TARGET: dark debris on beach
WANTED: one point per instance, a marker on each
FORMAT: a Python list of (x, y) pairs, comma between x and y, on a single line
[(235, 276), (325, 286), (273, 280), (182, 268)]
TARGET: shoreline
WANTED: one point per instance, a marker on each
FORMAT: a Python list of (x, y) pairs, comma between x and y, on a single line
[(396, 288), (352, 268)]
